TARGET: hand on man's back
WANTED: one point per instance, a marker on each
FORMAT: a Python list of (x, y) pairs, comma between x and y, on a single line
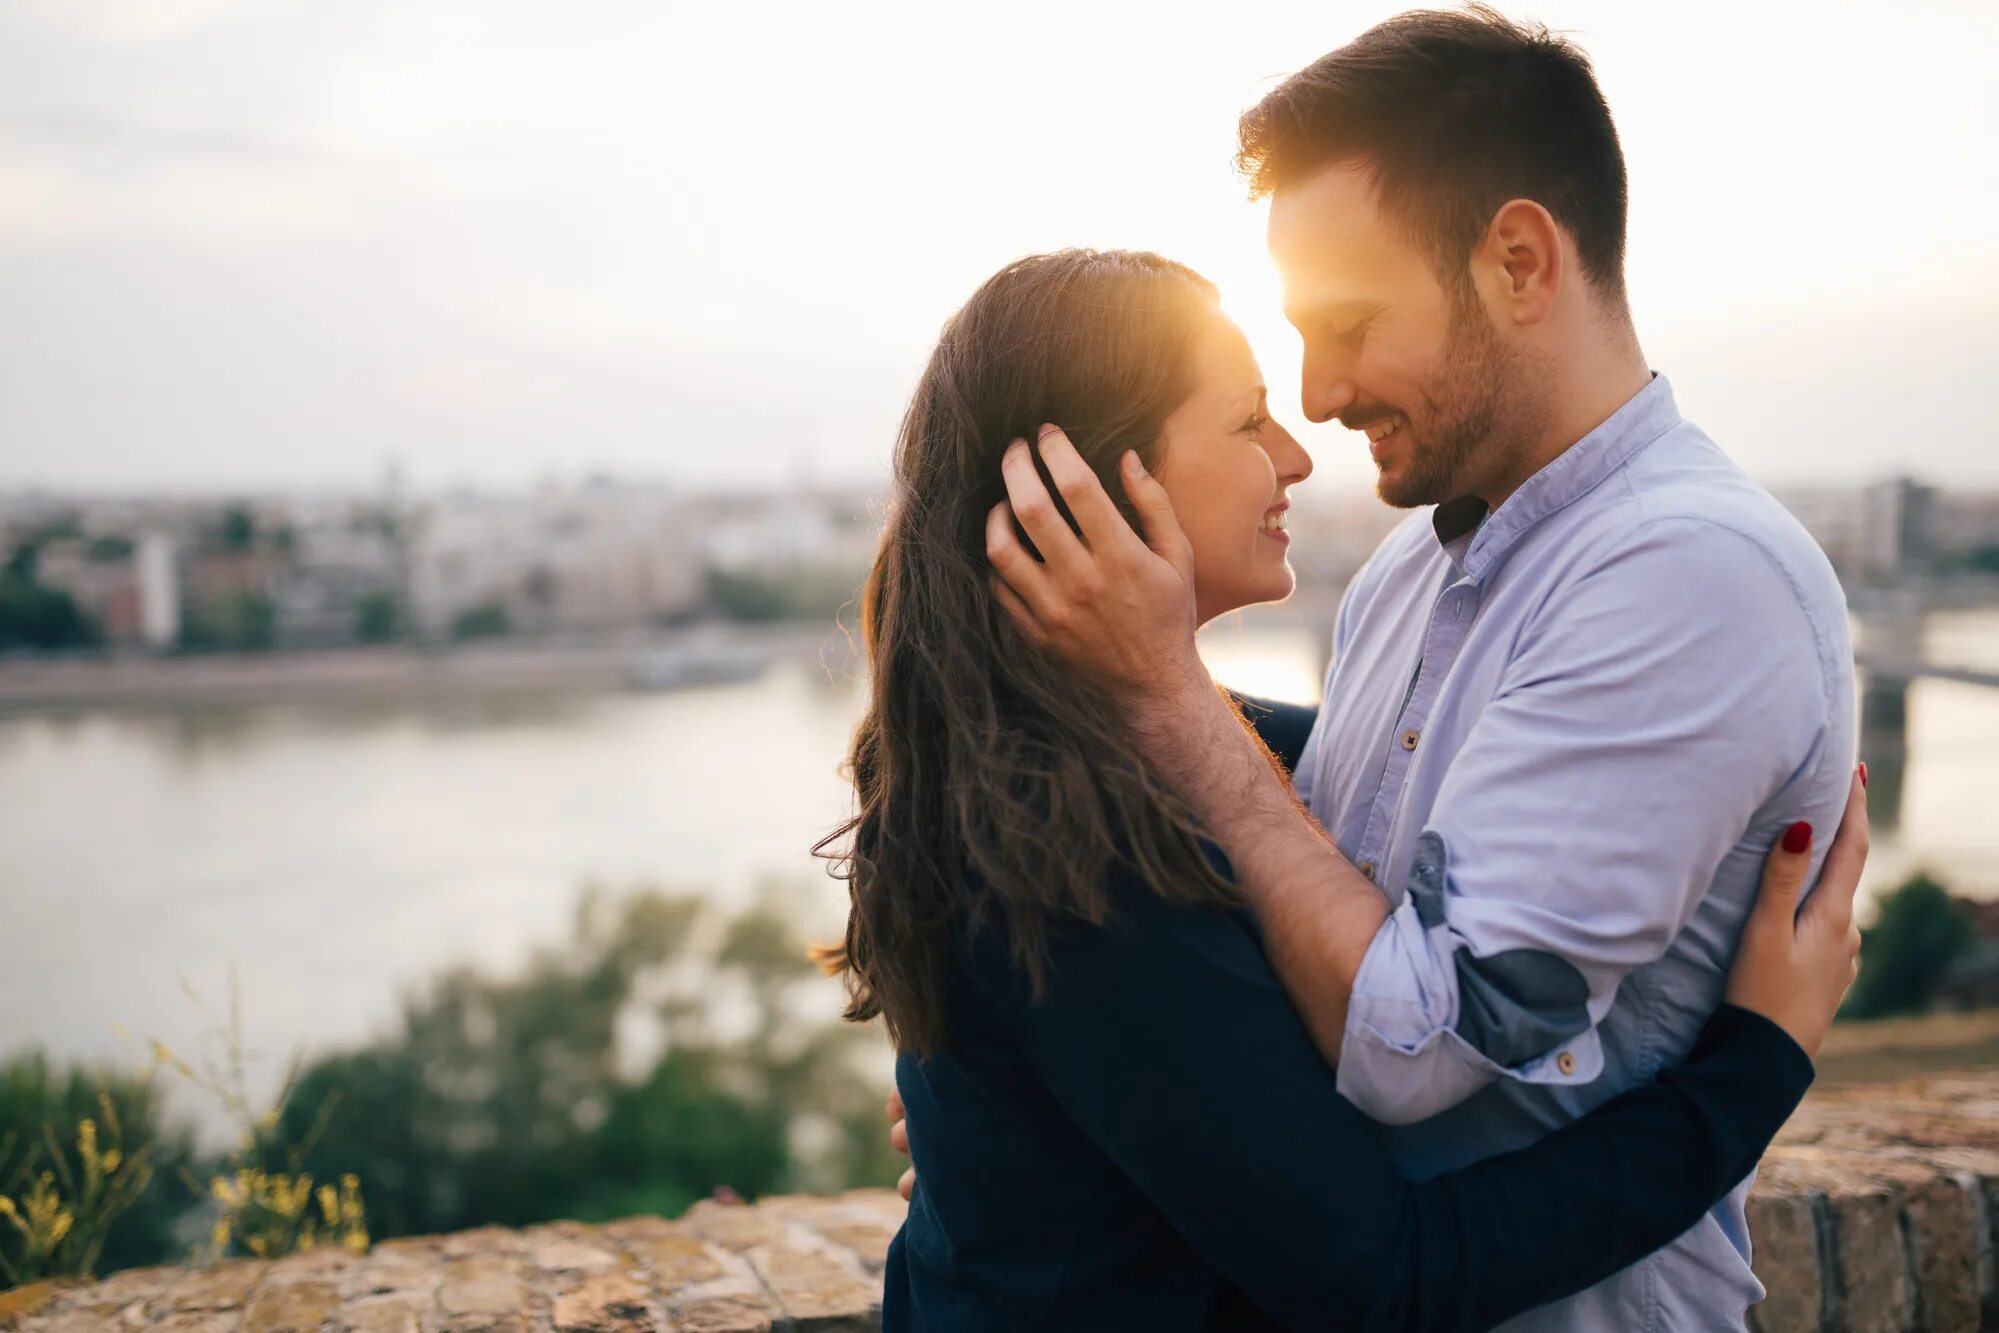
[(898, 1137)]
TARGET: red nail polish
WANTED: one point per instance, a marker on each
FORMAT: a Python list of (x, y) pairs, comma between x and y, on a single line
[(1798, 838), (1863, 774)]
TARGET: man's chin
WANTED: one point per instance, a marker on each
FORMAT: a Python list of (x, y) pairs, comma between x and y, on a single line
[(1402, 492)]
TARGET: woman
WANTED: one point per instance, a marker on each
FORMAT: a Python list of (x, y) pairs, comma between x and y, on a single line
[(1117, 1118)]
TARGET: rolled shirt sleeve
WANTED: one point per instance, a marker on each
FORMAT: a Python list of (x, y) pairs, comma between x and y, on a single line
[(1670, 692)]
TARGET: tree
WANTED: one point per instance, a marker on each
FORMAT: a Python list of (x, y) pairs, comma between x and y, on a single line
[(504, 1099), (485, 621), (1919, 932), (378, 619), (238, 531)]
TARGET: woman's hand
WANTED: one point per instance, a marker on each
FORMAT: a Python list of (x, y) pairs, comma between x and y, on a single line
[(898, 1137), (1793, 967)]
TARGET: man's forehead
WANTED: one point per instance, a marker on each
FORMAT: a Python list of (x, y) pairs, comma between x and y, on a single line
[(1334, 206), (1330, 239)]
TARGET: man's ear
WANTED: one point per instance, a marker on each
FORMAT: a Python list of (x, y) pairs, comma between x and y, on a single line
[(1521, 263)]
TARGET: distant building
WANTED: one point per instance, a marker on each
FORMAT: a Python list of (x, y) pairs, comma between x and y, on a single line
[(158, 575), (597, 558)]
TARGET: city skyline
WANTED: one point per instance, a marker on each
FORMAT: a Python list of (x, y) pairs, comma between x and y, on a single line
[(267, 246)]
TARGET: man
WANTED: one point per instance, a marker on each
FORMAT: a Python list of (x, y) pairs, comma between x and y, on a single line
[(1572, 698)]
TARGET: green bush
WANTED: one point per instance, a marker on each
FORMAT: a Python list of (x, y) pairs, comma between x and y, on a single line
[(1917, 934), (42, 1112), (482, 622), (378, 619), (501, 1099)]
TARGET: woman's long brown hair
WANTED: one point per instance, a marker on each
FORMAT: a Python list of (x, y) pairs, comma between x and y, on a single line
[(995, 787)]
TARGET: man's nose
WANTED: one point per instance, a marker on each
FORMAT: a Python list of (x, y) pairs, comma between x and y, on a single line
[(1327, 391)]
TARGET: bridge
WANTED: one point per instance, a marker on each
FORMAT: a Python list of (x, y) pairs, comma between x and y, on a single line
[(1884, 667)]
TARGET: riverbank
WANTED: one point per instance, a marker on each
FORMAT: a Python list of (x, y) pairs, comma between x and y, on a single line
[(388, 672)]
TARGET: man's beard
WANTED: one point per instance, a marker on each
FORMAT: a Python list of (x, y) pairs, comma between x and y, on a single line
[(1464, 415)]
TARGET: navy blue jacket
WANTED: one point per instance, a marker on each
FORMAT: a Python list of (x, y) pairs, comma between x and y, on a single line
[(1157, 1145)]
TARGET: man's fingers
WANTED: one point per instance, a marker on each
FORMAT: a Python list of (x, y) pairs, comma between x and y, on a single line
[(907, 1185), (1104, 528), (895, 1111), (1155, 510), (1015, 566), (1839, 880), (1035, 508)]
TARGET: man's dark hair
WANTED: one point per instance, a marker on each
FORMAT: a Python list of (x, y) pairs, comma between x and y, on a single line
[(1454, 113)]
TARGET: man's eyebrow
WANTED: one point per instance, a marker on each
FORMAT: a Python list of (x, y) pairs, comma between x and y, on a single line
[(1352, 309)]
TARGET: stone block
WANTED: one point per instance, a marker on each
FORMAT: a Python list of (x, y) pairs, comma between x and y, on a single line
[(1785, 1228), (396, 1312)]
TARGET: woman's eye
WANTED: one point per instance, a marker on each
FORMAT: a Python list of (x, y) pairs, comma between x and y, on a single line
[(1255, 423)]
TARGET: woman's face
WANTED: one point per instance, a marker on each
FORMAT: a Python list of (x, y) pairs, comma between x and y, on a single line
[(1227, 466)]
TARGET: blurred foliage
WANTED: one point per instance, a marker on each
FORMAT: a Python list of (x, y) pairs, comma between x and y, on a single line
[(85, 1170), (664, 1052), (237, 622), (760, 597), (1918, 933), (518, 1099), (482, 622), (236, 530), (378, 618), (32, 616), (261, 1201)]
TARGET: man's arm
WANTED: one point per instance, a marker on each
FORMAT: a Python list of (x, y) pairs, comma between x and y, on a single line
[(1666, 696), (1685, 661)]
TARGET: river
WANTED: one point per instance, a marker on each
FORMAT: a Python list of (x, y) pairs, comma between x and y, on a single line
[(336, 855)]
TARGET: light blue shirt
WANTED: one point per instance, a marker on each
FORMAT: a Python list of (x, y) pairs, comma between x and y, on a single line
[(1562, 740)]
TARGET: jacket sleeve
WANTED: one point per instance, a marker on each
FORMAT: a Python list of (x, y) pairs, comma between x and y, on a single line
[(1168, 1040), (1283, 727)]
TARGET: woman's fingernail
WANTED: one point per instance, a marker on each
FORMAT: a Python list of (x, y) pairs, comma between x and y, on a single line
[(1045, 431), (1863, 773), (1132, 463), (1798, 838)]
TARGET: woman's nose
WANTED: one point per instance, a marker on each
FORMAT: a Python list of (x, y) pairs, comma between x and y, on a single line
[(1293, 464)]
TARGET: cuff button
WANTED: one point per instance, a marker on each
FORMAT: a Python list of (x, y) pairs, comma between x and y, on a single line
[(1566, 1062)]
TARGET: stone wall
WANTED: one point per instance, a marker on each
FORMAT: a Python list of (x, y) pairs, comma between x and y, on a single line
[(1875, 1214)]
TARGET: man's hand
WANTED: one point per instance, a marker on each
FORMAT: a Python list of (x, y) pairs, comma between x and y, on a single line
[(1105, 601), (898, 1137)]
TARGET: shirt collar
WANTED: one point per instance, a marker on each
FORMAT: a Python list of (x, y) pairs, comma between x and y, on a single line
[(1475, 541)]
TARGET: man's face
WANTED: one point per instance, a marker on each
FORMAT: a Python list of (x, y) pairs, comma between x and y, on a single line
[(1388, 349)]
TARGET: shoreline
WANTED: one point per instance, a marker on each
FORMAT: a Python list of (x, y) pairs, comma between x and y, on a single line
[(388, 672)]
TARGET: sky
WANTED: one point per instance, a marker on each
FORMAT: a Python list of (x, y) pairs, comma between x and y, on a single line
[(277, 243)]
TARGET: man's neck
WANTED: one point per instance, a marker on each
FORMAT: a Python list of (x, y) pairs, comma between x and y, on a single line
[(1590, 386)]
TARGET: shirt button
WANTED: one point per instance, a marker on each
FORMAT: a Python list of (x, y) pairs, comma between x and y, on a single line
[(1566, 1062), (1366, 868), (1409, 739)]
